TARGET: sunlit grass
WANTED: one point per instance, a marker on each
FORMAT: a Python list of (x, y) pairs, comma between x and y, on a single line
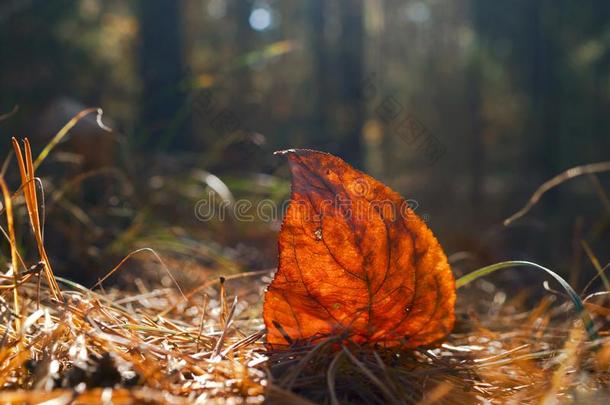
[(170, 343)]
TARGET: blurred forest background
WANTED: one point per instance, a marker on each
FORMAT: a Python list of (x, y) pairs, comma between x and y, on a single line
[(466, 106)]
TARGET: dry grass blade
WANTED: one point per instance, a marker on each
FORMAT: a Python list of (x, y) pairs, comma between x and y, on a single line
[(65, 129), (149, 250), (389, 396), (590, 283), (226, 323), (599, 189), (5, 116), (28, 184), (600, 271), (437, 394), (212, 282), (292, 374), (96, 396), (205, 307), (13, 245), (568, 364), (107, 171), (278, 395), (331, 376), (554, 182)]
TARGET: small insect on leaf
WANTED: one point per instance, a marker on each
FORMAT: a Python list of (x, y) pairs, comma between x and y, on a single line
[(355, 261)]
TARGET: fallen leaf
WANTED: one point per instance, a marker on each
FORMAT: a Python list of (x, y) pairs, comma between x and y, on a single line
[(355, 261)]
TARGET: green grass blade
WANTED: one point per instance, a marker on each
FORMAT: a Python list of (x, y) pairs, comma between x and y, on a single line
[(579, 307)]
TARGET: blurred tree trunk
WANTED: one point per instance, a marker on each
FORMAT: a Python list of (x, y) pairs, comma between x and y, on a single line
[(319, 47), (162, 70), (475, 125), (351, 65), (544, 92), (242, 103), (544, 149), (476, 142), (338, 78)]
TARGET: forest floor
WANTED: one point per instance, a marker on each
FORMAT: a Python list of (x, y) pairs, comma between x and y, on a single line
[(159, 345), (198, 336)]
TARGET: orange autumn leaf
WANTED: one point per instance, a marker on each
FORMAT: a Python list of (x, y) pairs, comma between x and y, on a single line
[(355, 261)]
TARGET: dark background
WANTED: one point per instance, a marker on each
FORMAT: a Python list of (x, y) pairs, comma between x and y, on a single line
[(466, 106)]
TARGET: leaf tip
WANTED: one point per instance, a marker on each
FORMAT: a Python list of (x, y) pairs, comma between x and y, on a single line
[(300, 152), (284, 152)]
